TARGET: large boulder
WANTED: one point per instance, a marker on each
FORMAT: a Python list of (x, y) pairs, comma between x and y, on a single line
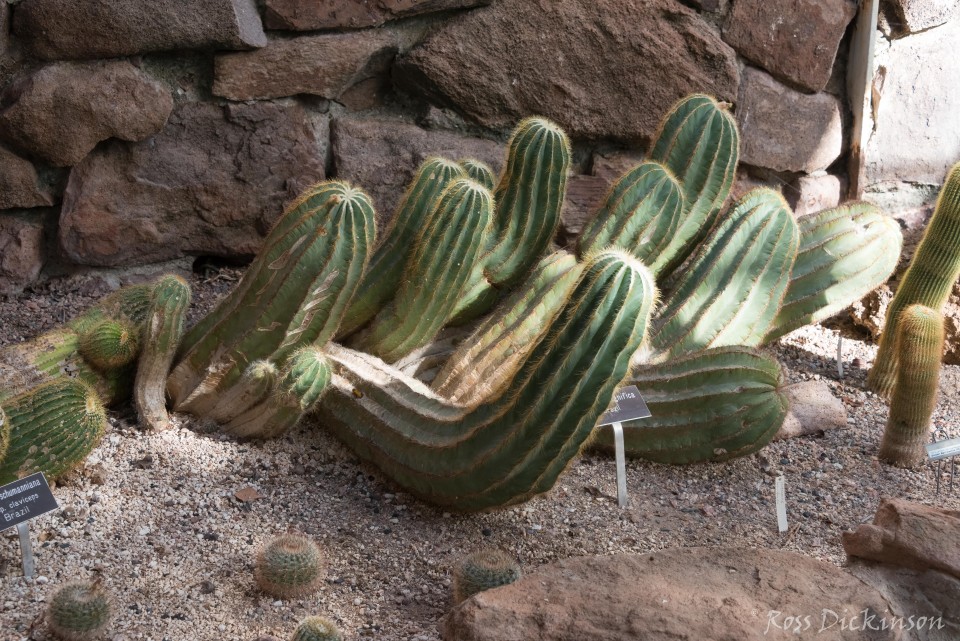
[(784, 129), (795, 40), (323, 65), (912, 16), (602, 69), (19, 183), (212, 182), (306, 15), (70, 29), (63, 110), (21, 251), (726, 594), (381, 156)]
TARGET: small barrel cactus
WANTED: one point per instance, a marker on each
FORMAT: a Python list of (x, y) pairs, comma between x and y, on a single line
[(289, 566), (78, 611), (110, 344), (317, 629), (481, 571)]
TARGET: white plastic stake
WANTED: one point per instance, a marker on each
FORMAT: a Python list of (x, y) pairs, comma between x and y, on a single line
[(621, 464), (840, 356), (781, 488), (26, 550)]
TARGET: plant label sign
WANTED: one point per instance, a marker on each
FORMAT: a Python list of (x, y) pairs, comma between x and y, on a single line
[(627, 405), (943, 449), (25, 499)]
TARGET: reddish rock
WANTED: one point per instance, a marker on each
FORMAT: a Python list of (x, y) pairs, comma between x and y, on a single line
[(62, 111), (786, 130), (685, 593), (324, 65), (212, 182), (612, 165), (21, 252), (912, 16), (10, 58), (600, 68), (584, 195), (810, 194), (381, 156), (69, 29), (909, 535), (813, 410), (306, 15), (19, 183), (795, 40)]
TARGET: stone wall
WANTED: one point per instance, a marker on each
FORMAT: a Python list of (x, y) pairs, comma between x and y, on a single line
[(145, 131)]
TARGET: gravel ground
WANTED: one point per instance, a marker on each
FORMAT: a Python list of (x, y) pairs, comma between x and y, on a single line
[(158, 518)]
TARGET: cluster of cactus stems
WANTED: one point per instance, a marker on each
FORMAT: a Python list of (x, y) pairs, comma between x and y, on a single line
[(516, 400), (317, 629), (289, 566), (79, 611), (483, 570)]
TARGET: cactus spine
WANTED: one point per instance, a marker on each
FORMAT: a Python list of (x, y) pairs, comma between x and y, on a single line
[(731, 291), (712, 405), (437, 272), (52, 428), (513, 445), (919, 351), (317, 629), (479, 172), (845, 253), (483, 570), (79, 611), (382, 277), (928, 281), (289, 566)]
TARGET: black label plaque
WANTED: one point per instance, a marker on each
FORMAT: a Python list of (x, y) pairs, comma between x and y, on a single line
[(25, 499), (627, 405)]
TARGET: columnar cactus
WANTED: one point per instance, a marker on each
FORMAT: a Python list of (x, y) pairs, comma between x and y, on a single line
[(919, 352), (479, 172), (317, 629), (289, 566), (929, 279), (513, 445), (483, 570), (79, 611), (52, 428)]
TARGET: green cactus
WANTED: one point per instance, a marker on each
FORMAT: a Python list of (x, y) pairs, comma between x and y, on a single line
[(52, 428), (479, 172), (383, 276), (289, 566), (79, 611), (294, 294), (640, 214), (515, 444), (929, 279), (256, 383), (483, 570), (919, 346), (730, 292), (698, 141), (110, 344), (437, 272), (317, 629), (712, 405), (845, 253)]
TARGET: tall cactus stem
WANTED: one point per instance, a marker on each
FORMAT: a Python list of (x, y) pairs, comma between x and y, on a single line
[(480, 172)]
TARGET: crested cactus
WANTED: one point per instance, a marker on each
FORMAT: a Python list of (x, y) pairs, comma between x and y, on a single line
[(383, 276), (483, 570), (109, 344), (479, 172), (437, 272), (928, 281), (730, 292), (698, 141), (712, 405), (52, 428), (294, 294), (79, 611), (845, 253), (289, 566), (515, 444), (919, 351), (317, 629), (640, 214)]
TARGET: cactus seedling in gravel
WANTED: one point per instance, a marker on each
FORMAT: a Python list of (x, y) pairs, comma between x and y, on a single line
[(483, 570), (289, 566), (317, 629), (78, 612), (919, 351)]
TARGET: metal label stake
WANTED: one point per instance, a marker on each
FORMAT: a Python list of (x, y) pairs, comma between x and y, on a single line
[(628, 405), (840, 356), (26, 550), (20, 502), (781, 489), (621, 464)]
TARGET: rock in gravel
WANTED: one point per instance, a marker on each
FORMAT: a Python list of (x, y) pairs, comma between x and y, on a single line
[(681, 593), (325, 65), (810, 194), (910, 535), (813, 410), (919, 15), (71, 29), (21, 251), (19, 183), (212, 182), (620, 67), (63, 110), (307, 15)]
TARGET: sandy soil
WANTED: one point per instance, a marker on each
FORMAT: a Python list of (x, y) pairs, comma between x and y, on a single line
[(157, 516)]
